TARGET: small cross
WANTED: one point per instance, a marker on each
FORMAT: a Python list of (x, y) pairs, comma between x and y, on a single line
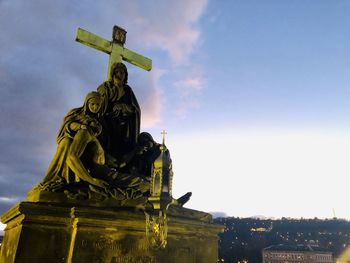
[(114, 48), (163, 133)]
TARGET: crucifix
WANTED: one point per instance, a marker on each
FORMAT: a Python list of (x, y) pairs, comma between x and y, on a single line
[(115, 48)]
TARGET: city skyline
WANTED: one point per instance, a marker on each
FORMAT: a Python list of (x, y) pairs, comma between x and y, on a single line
[(254, 96)]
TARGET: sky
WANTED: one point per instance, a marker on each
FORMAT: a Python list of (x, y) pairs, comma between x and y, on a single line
[(254, 95)]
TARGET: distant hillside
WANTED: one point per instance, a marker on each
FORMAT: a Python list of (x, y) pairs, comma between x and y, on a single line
[(244, 238)]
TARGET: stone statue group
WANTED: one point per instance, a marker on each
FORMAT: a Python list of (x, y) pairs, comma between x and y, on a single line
[(101, 152)]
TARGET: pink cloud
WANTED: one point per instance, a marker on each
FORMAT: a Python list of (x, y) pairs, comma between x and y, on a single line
[(186, 106), (152, 100), (171, 27), (189, 90), (192, 83)]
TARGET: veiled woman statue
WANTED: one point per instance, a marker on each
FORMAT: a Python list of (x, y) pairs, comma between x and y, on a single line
[(77, 140)]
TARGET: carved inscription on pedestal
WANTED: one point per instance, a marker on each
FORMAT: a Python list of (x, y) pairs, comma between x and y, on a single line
[(101, 244), (136, 253), (133, 259)]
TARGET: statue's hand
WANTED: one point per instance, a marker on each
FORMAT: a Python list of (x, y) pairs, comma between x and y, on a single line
[(99, 183), (123, 109), (127, 109), (87, 120), (111, 162), (117, 108)]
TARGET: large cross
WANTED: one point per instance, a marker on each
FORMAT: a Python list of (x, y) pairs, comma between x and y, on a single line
[(115, 48)]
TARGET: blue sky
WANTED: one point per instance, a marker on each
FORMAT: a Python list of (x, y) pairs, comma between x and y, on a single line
[(254, 95)]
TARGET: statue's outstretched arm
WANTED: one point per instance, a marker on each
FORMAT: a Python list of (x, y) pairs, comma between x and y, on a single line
[(80, 141)]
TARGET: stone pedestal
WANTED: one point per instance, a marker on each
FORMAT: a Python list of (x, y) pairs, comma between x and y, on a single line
[(42, 232)]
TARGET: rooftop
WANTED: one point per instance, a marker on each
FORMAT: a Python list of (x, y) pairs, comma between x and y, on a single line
[(303, 248)]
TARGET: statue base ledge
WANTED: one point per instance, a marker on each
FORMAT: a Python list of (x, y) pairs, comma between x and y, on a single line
[(48, 232), (36, 195)]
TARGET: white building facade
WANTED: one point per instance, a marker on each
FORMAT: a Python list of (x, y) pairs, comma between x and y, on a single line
[(296, 254)]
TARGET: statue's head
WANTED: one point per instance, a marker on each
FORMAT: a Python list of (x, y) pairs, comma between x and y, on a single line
[(93, 102), (120, 72), (145, 140), (92, 106)]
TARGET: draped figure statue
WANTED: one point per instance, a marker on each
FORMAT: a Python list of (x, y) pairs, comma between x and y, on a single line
[(120, 115), (76, 139)]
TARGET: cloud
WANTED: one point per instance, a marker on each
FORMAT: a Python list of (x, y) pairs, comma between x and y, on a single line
[(151, 94), (2, 227), (186, 105), (171, 26), (7, 199), (218, 214), (190, 83), (179, 35), (189, 90), (152, 103), (231, 165)]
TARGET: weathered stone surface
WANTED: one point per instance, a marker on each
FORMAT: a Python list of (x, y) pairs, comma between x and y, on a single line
[(42, 232)]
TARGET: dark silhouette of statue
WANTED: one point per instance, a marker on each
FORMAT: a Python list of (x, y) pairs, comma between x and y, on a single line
[(101, 153), (78, 168), (120, 115)]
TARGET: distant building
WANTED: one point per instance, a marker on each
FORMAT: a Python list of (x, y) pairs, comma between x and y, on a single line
[(296, 254)]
